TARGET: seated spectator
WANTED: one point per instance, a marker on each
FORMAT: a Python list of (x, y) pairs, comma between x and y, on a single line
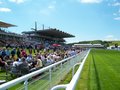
[(38, 64), (49, 60), (44, 61), (14, 68), (8, 60), (66, 55), (29, 58), (24, 68), (3, 63), (16, 63)]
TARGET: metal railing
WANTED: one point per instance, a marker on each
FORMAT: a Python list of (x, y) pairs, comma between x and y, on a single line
[(73, 69), (50, 72), (73, 82)]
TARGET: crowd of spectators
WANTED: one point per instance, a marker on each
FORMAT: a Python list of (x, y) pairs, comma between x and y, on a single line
[(21, 61)]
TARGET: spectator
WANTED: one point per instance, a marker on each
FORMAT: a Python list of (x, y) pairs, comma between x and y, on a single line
[(3, 52), (18, 53), (23, 52), (16, 63), (13, 52), (29, 58), (8, 52), (38, 64), (24, 67), (3, 63)]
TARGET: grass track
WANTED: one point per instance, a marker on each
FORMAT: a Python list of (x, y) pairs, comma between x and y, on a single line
[(101, 71)]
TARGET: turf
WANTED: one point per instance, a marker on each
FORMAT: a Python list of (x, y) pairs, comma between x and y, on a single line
[(101, 71)]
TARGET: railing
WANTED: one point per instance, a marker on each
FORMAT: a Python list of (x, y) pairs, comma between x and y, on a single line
[(73, 82), (73, 69), (50, 75)]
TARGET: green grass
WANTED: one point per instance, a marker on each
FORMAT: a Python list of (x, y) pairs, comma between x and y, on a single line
[(101, 71), (68, 77)]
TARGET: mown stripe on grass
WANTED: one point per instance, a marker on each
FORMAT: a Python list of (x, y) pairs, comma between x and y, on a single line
[(102, 72), (96, 73)]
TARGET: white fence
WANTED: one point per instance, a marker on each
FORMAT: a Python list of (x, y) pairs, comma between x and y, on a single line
[(63, 66), (73, 82)]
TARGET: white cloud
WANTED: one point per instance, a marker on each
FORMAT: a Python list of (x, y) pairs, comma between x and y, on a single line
[(117, 18), (5, 10), (17, 1), (116, 4), (90, 1), (110, 38)]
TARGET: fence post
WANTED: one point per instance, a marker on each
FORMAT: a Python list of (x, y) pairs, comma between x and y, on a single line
[(26, 84), (50, 76), (73, 71), (61, 66), (61, 70)]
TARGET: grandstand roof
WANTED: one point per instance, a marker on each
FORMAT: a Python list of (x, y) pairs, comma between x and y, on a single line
[(51, 32), (6, 25)]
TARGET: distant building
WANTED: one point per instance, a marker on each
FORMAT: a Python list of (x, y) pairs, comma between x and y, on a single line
[(89, 45), (113, 48)]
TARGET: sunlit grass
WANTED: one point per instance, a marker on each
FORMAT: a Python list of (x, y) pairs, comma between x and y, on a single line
[(101, 71)]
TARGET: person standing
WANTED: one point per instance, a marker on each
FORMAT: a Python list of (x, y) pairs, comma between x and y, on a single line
[(13, 52), (8, 52), (18, 53)]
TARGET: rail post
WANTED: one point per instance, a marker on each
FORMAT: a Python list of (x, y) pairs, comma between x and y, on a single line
[(73, 71), (26, 84), (50, 76)]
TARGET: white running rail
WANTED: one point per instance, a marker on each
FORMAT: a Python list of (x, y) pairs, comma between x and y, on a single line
[(73, 82)]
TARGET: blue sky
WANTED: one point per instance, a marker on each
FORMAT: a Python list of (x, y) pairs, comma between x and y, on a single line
[(86, 19)]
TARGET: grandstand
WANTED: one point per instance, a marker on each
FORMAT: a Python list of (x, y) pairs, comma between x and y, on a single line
[(8, 37), (46, 37), (50, 35)]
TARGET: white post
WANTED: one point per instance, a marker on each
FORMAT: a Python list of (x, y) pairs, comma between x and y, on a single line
[(73, 71), (61, 70), (26, 84), (61, 66), (50, 77)]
